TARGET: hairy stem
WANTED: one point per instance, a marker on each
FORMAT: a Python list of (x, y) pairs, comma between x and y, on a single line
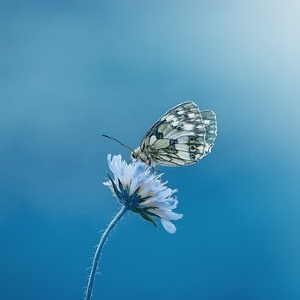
[(89, 289)]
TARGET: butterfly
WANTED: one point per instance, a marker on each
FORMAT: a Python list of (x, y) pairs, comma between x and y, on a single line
[(181, 137)]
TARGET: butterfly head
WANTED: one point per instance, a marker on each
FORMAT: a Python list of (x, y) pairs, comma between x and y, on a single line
[(140, 155)]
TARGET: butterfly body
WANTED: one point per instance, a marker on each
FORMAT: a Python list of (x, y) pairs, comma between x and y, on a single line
[(181, 137)]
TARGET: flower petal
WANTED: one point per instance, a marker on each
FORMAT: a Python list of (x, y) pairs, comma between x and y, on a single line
[(170, 227), (166, 214)]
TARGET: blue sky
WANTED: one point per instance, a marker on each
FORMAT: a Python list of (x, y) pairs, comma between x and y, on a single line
[(73, 70)]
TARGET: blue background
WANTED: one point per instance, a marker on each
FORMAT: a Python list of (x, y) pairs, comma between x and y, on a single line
[(73, 70)]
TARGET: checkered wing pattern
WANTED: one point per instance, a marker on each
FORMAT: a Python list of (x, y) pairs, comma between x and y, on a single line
[(181, 137)]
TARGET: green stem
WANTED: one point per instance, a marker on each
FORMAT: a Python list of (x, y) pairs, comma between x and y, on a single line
[(89, 289)]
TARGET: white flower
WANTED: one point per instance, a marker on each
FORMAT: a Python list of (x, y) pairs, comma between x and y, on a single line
[(142, 191)]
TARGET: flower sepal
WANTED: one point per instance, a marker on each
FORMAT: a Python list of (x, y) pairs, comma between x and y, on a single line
[(118, 194), (143, 214)]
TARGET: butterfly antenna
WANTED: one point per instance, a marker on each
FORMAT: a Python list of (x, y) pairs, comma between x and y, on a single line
[(122, 144)]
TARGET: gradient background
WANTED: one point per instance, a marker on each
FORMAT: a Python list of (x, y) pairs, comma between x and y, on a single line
[(73, 70)]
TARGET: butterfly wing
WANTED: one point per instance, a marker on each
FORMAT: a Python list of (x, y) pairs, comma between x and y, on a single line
[(182, 136)]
